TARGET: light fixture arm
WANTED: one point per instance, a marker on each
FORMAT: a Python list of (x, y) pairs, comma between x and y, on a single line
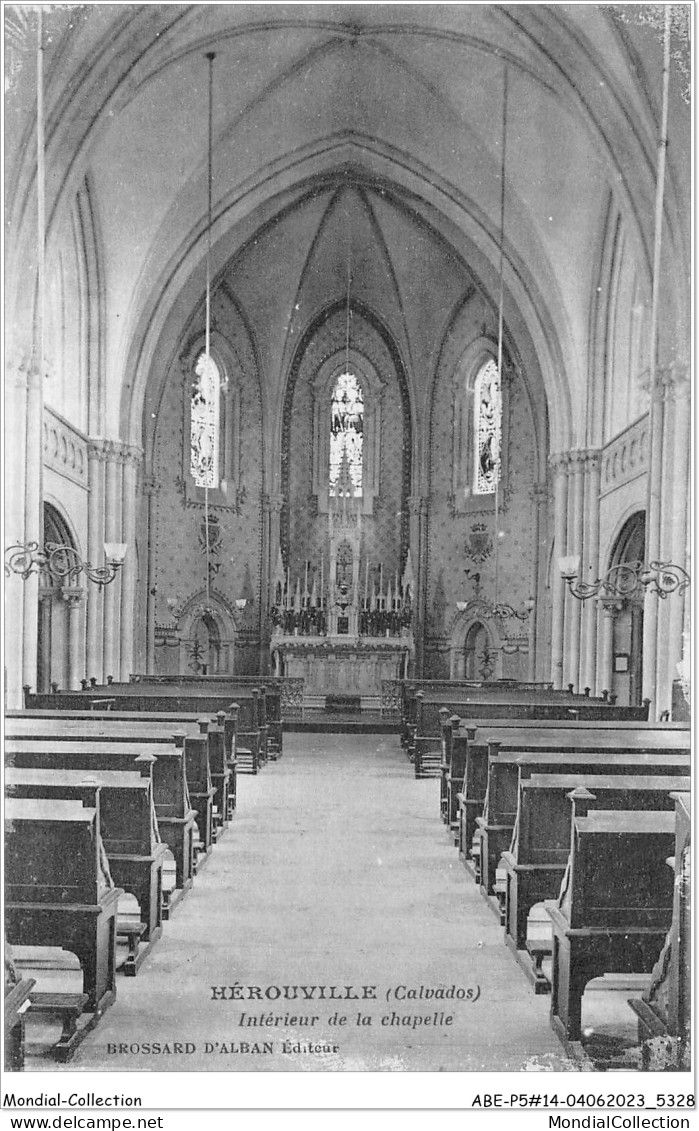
[(62, 563), (626, 580)]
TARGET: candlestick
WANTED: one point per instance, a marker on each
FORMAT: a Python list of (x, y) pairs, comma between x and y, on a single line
[(366, 585), (288, 606), (322, 567)]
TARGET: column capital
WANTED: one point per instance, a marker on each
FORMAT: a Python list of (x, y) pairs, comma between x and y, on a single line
[(96, 449), (417, 504), (559, 462)]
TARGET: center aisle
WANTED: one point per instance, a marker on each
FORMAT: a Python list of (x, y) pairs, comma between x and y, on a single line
[(336, 871)]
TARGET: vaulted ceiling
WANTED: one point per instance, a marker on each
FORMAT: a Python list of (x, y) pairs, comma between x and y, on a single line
[(360, 138)]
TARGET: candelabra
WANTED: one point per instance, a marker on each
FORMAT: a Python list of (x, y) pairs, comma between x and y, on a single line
[(489, 610), (626, 580), (61, 562)]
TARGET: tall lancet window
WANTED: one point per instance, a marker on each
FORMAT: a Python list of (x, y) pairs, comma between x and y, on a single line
[(206, 423), (487, 429), (346, 437)]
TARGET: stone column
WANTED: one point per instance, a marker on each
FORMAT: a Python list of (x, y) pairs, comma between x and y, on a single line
[(272, 506), (536, 622), (608, 611), (559, 467), (112, 533), (590, 566), (33, 516), (418, 508), (74, 597), (150, 489), (132, 461), (43, 678), (573, 607), (674, 489), (96, 456), (14, 439), (653, 548)]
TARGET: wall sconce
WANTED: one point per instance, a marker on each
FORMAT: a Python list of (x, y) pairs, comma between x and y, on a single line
[(60, 562), (626, 580), (483, 609)]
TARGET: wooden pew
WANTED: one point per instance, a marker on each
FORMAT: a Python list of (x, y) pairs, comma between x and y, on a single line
[(424, 747), (602, 922), (221, 737), (58, 889), (250, 705), (585, 754), (406, 689), (482, 742), (176, 818), (538, 854), (664, 1011), (129, 832), (273, 687), (16, 1001)]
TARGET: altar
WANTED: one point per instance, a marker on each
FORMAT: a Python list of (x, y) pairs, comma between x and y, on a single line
[(332, 666)]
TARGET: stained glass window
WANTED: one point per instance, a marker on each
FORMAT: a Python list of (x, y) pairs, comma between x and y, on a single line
[(346, 436), (205, 423), (487, 428)]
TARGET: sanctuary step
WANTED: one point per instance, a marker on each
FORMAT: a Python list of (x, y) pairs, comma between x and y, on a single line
[(343, 703), (318, 720)]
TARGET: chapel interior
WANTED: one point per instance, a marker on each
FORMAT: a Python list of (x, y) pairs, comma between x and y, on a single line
[(352, 342)]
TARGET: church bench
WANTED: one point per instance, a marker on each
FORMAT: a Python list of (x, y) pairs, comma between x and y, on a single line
[(250, 703), (229, 684), (538, 854), (452, 767), (601, 922), (664, 1011), (176, 818), (68, 1008), (506, 771), (16, 1002), (481, 740), (460, 776), (408, 688), (221, 736), (425, 738), (58, 889), (196, 753), (128, 828)]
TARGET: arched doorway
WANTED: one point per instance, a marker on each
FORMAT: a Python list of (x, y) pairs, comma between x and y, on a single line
[(479, 658), (627, 666), (57, 604), (204, 646)]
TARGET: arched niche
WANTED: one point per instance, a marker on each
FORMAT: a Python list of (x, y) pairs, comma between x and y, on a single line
[(627, 656), (207, 632), (474, 644), (55, 596)]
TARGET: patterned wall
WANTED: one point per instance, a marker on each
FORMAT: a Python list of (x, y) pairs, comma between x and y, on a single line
[(461, 539), (304, 531), (178, 535)]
